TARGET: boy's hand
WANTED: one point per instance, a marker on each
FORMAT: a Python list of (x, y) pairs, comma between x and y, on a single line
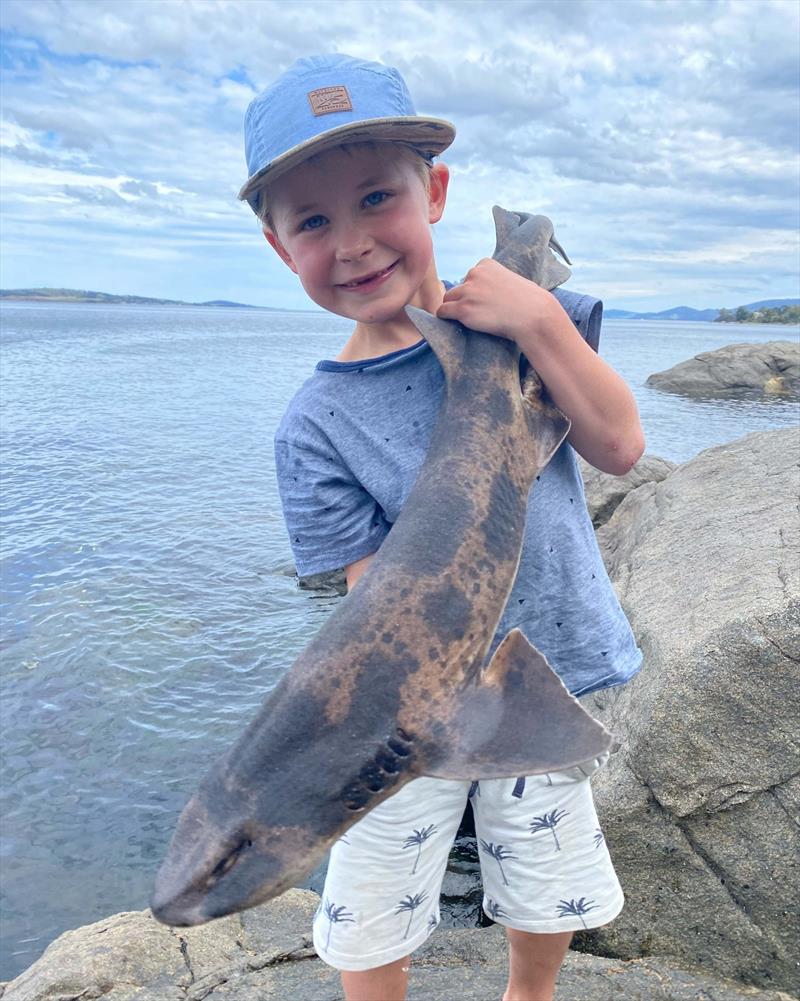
[(494, 300), (605, 422)]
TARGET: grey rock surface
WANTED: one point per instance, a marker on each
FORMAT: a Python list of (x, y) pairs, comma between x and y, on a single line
[(604, 492), (770, 369), (700, 807), (265, 954)]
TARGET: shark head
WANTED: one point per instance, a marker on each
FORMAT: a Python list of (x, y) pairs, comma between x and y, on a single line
[(268, 811), (222, 861)]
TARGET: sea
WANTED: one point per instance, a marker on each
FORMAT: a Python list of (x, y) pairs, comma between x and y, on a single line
[(149, 595)]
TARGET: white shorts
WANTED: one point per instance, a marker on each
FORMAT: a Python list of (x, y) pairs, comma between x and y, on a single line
[(544, 863)]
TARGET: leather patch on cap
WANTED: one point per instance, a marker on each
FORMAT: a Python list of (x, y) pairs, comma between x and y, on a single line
[(326, 100)]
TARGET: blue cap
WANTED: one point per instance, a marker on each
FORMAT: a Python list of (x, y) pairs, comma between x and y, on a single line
[(325, 101)]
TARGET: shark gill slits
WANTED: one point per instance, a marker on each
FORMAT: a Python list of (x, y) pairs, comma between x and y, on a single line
[(400, 745), (355, 796), (387, 761), (372, 777)]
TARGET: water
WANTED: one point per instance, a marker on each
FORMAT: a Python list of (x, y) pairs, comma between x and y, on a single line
[(149, 597)]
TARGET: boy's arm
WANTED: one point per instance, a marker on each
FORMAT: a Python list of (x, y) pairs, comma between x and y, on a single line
[(355, 570), (605, 421)]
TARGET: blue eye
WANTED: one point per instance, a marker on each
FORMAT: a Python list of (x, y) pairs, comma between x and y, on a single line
[(313, 222), (375, 198)]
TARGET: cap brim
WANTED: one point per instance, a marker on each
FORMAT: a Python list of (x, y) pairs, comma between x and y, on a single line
[(429, 135)]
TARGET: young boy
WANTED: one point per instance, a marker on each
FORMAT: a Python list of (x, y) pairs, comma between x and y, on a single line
[(343, 179)]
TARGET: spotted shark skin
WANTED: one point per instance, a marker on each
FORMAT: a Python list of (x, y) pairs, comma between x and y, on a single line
[(395, 684)]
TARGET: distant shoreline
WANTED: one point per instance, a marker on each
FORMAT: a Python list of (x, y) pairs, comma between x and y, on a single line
[(66, 295), (765, 313)]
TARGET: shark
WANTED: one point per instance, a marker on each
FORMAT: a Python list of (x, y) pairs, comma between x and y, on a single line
[(396, 684)]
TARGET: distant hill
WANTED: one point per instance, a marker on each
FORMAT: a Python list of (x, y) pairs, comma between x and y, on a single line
[(78, 295), (687, 313)]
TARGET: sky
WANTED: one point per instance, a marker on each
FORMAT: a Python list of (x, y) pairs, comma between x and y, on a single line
[(660, 136)]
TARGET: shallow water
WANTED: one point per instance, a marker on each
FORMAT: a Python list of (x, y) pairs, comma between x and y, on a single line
[(148, 589)]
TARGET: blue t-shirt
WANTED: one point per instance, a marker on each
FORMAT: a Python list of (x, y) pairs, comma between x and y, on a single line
[(347, 453)]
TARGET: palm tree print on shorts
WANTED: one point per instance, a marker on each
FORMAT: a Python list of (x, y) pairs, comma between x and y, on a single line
[(494, 910), (576, 908), (409, 903), (549, 822), (418, 839), (499, 853), (336, 916), (599, 838), (433, 921)]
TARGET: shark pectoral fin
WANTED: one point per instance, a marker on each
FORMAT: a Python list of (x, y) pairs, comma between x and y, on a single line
[(548, 427), (519, 719)]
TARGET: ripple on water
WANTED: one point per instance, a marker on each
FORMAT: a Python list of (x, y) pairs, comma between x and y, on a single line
[(149, 598)]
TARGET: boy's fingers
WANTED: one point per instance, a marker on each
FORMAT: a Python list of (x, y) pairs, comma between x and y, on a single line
[(448, 311)]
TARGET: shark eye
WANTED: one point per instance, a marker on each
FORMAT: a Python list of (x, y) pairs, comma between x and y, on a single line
[(225, 865)]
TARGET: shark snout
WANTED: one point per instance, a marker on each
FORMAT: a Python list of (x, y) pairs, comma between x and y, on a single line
[(234, 875), (210, 870)]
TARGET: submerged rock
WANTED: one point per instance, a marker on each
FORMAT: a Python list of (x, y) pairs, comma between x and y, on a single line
[(738, 370)]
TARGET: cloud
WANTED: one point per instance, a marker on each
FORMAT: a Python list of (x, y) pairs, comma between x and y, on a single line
[(660, 135)]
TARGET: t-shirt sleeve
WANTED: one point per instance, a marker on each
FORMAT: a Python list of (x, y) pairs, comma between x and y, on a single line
[(331, 519), (586, 313)]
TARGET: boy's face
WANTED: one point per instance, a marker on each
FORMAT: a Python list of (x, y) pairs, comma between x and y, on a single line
[(354, 225)]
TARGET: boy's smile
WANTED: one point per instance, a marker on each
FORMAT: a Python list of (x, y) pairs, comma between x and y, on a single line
[(354, 225)]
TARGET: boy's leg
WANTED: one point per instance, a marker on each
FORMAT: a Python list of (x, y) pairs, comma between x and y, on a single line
[(381, 896), (534, 962), (387, 983), (546, 870)]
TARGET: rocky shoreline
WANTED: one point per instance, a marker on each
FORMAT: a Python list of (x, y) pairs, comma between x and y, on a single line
[(266, 953), (701, 805)]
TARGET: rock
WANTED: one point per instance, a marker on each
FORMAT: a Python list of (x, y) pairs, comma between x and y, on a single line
[(605, 492), (329, 582), (771, 369), (263, 954), (700, 808)]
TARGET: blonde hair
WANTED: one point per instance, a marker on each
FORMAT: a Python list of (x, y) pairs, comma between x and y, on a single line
[(419, 161)]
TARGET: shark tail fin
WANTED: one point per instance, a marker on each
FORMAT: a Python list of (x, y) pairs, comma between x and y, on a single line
[(518, 719)]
